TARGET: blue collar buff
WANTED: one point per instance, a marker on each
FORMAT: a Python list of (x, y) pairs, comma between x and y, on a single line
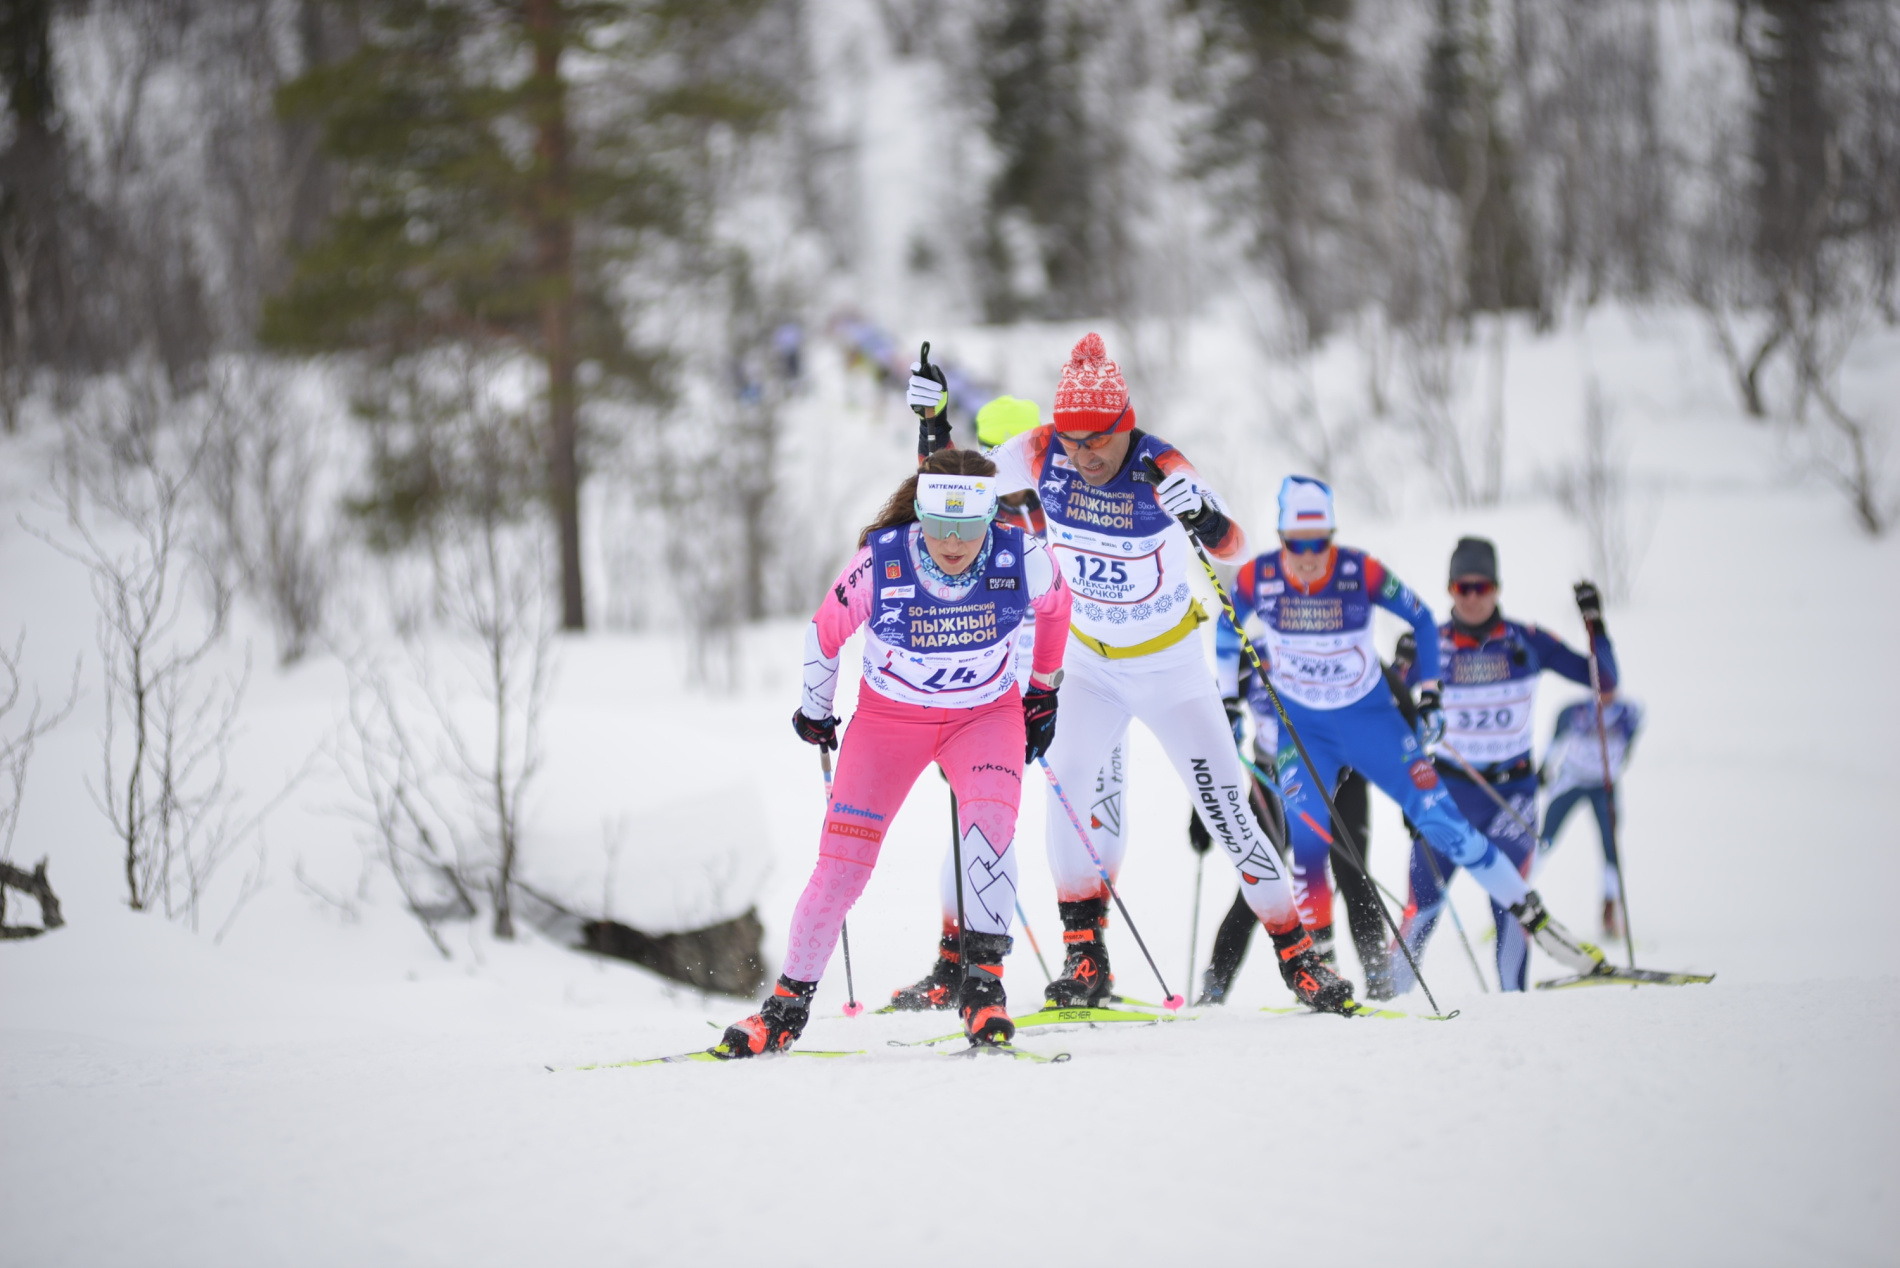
[(927, 567)]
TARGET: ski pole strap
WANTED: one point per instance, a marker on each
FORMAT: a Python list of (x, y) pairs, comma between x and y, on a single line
[(1195, 618)]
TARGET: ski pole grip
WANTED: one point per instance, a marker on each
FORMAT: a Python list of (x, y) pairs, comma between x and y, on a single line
[(931, 372)]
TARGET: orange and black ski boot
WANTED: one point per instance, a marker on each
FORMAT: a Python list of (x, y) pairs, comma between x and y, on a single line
[(1085, 980), (938, 988), (981, 1001), (779, 1021), (1309, 977)]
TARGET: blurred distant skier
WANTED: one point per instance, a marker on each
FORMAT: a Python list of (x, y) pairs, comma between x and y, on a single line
[(1491, 666), (1572, 773), (1308, 609)]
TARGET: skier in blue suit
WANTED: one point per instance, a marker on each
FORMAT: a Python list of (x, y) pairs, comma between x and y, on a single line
[(1491, 667), (1307, 608)]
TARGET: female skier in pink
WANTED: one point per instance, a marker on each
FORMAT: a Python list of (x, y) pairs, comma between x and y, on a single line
[(939, 589)]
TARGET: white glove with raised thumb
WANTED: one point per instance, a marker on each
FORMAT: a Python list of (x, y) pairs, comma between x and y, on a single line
[(925, 394), (1180, 495)]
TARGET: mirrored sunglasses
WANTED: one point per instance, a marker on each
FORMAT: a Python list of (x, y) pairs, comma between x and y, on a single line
[(963, 529), (1473, 589), (1092, 444), (1307, 545), (1099, 439)]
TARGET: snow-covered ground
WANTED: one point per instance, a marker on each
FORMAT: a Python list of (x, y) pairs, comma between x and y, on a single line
[(320, 1087)]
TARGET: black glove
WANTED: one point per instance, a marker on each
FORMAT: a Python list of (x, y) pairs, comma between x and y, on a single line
[(1198, 840), (822, 731), (1039, 722), (932, 434), (1236, 718), (1208, 524), (1405, 655), (1431, 715), (1590, 604)]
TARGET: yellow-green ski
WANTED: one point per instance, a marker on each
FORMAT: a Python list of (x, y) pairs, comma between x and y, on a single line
[(1053, 1017), (707, 1054), (1362, 1010)]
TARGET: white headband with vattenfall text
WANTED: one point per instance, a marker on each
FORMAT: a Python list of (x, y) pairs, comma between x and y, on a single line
[(956, 496)]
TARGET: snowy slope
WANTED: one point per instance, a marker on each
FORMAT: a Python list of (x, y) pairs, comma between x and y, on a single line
[(321, 1087)]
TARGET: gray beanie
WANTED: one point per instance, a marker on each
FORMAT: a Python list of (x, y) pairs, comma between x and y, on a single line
[(1474, 557)]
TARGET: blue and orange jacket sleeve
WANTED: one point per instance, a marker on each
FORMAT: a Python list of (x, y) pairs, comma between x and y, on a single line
[(1398, 598), (1224, 538)]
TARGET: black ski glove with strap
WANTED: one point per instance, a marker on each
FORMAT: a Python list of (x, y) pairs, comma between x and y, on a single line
[(820, 731), (1431, 715), (1405, 655), (1590, 606), (1039, 722), (933, 421)]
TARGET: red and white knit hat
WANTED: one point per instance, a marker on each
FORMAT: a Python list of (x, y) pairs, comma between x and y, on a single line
[(1092, 395)]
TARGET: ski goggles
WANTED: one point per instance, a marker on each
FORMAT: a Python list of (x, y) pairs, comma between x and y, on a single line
[(1474, 589), (955, 506), (945, 527), (1308, 545)]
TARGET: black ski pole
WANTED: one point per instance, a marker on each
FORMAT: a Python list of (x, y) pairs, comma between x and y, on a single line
[(1609, 795), (851, 1006), (1353, 852), (956, 858)]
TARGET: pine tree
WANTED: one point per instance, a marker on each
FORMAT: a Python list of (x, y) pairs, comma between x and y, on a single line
[(477, 213), (1285, 134), (29, 165), (1795, 135), (1033, 59), (1470, 157)]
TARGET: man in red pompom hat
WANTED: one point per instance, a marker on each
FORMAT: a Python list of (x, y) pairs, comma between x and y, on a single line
[(1119, 504), (1092, 396)]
